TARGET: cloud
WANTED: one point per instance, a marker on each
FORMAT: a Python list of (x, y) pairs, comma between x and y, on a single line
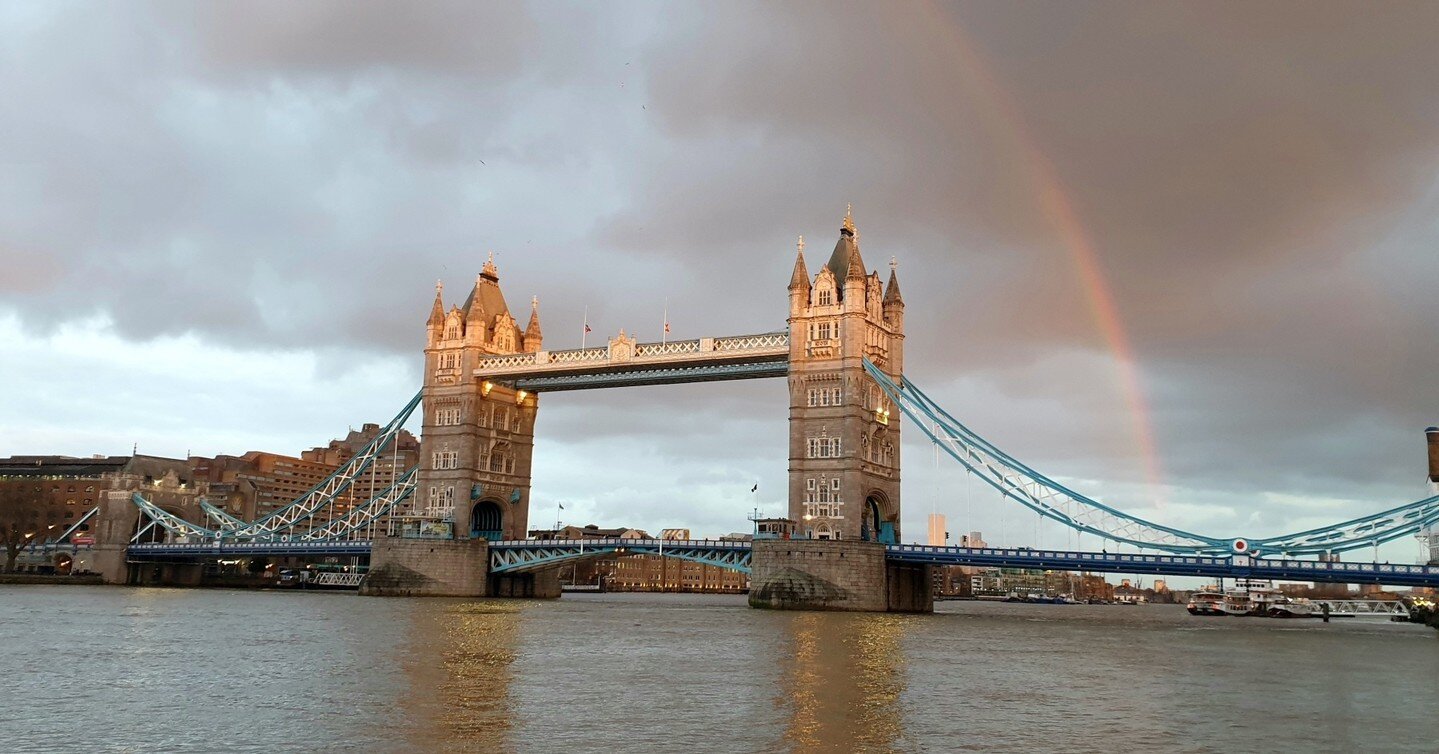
[(278, 179)]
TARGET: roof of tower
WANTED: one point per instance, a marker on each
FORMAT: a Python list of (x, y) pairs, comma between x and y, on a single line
[(891, 292), (533, 328), (487, 291), (475, 307), (437, 312), (800, 279), (846, 251)]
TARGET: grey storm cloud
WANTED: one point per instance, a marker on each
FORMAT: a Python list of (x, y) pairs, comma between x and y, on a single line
[(1257, 183)]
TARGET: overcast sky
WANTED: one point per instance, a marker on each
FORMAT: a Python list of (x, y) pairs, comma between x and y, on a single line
[(220, 227)]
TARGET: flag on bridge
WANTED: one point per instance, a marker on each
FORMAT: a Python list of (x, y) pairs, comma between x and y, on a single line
[(562, 506), (755, 488)]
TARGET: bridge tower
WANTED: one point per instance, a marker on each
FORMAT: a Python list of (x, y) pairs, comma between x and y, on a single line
[(478, 436), (843, 434)]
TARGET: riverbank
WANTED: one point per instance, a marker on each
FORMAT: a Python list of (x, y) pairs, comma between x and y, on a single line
[(45, 578)]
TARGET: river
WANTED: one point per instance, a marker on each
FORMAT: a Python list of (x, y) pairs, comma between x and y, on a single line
[(173, 670)]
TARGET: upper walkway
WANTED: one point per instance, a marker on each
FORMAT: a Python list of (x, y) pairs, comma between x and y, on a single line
[(626, 362)]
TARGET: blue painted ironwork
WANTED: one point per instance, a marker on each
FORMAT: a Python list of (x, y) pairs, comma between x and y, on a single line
[(521, 555), (185, 551), (70, 532), (1168, 564), (362, 516), (323, 494), (357, 520), (1055, 501), (220, 516)]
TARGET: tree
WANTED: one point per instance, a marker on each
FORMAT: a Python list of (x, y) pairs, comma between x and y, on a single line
[(20, 509)]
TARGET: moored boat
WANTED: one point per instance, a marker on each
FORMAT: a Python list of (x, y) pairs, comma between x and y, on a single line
[(1206, 603)]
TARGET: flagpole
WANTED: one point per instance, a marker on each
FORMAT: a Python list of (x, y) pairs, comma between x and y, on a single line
[(665, 331), (585, 331)]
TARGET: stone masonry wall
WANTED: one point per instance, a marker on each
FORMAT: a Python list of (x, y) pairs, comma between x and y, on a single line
[(428, 568), (796, 574)]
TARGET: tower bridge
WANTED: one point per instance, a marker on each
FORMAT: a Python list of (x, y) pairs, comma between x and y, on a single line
[(842, 355)]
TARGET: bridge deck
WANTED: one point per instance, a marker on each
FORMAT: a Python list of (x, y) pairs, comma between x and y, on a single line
[(531, 554), (178, 551), (623, 363), (1172, 565), (519, 555)]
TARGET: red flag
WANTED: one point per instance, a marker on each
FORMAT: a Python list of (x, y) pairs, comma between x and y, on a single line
[(587, 327), (667, 328)]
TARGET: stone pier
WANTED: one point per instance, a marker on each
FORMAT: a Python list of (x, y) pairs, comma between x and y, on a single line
[(800, 574), (447, 568)]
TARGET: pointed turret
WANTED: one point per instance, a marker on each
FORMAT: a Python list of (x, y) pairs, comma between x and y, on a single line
[(799, 281), (437, 312), (533, 339), (891, 292)]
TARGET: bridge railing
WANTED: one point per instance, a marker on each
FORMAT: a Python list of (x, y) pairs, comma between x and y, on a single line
[(606, 542), (770, 344), (1278, 565)]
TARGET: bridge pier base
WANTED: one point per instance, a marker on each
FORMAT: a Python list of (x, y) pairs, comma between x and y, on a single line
[(166, 574), (538, 585), (428, 568), (808, 574)]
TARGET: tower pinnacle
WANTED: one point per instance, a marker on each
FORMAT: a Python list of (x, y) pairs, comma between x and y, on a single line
[(799, 281)]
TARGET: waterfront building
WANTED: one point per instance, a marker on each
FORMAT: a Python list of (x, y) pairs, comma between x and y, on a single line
[(257, 483), (641, 573), (47, 495)]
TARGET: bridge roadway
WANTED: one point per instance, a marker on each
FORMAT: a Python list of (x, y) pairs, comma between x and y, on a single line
[(626, 362), (517, 556)]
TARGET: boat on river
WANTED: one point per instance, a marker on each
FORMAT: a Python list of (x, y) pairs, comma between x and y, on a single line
[(1206, 603)]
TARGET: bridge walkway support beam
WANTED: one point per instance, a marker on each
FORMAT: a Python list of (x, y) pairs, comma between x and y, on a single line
[(847, 575)]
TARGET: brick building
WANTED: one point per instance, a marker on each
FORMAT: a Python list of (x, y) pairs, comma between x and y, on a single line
[(47, 495), (258, 483)]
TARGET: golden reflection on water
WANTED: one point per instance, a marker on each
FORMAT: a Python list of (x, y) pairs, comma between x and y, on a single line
[(459, 667), (843, 678)]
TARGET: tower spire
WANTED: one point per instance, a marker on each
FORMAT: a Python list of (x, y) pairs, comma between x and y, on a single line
[(891, 292), (437, 312), (800, 279)]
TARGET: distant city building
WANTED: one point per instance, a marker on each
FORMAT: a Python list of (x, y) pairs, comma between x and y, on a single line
[(937, 534), (589, 531), (642, 573)]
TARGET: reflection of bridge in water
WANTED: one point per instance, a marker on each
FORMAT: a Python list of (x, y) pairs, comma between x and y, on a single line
[(466, 507)]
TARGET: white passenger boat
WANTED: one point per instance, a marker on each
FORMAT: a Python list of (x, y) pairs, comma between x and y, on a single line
[(1206, 603)]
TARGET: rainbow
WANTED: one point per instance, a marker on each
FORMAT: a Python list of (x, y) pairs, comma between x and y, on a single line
[(1055, 202)]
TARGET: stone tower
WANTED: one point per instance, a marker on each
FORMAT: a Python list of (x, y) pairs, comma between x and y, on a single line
[(478, 437), (843, 433)]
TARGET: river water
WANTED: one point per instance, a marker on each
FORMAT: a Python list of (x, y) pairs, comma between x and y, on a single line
[(113, 669)]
